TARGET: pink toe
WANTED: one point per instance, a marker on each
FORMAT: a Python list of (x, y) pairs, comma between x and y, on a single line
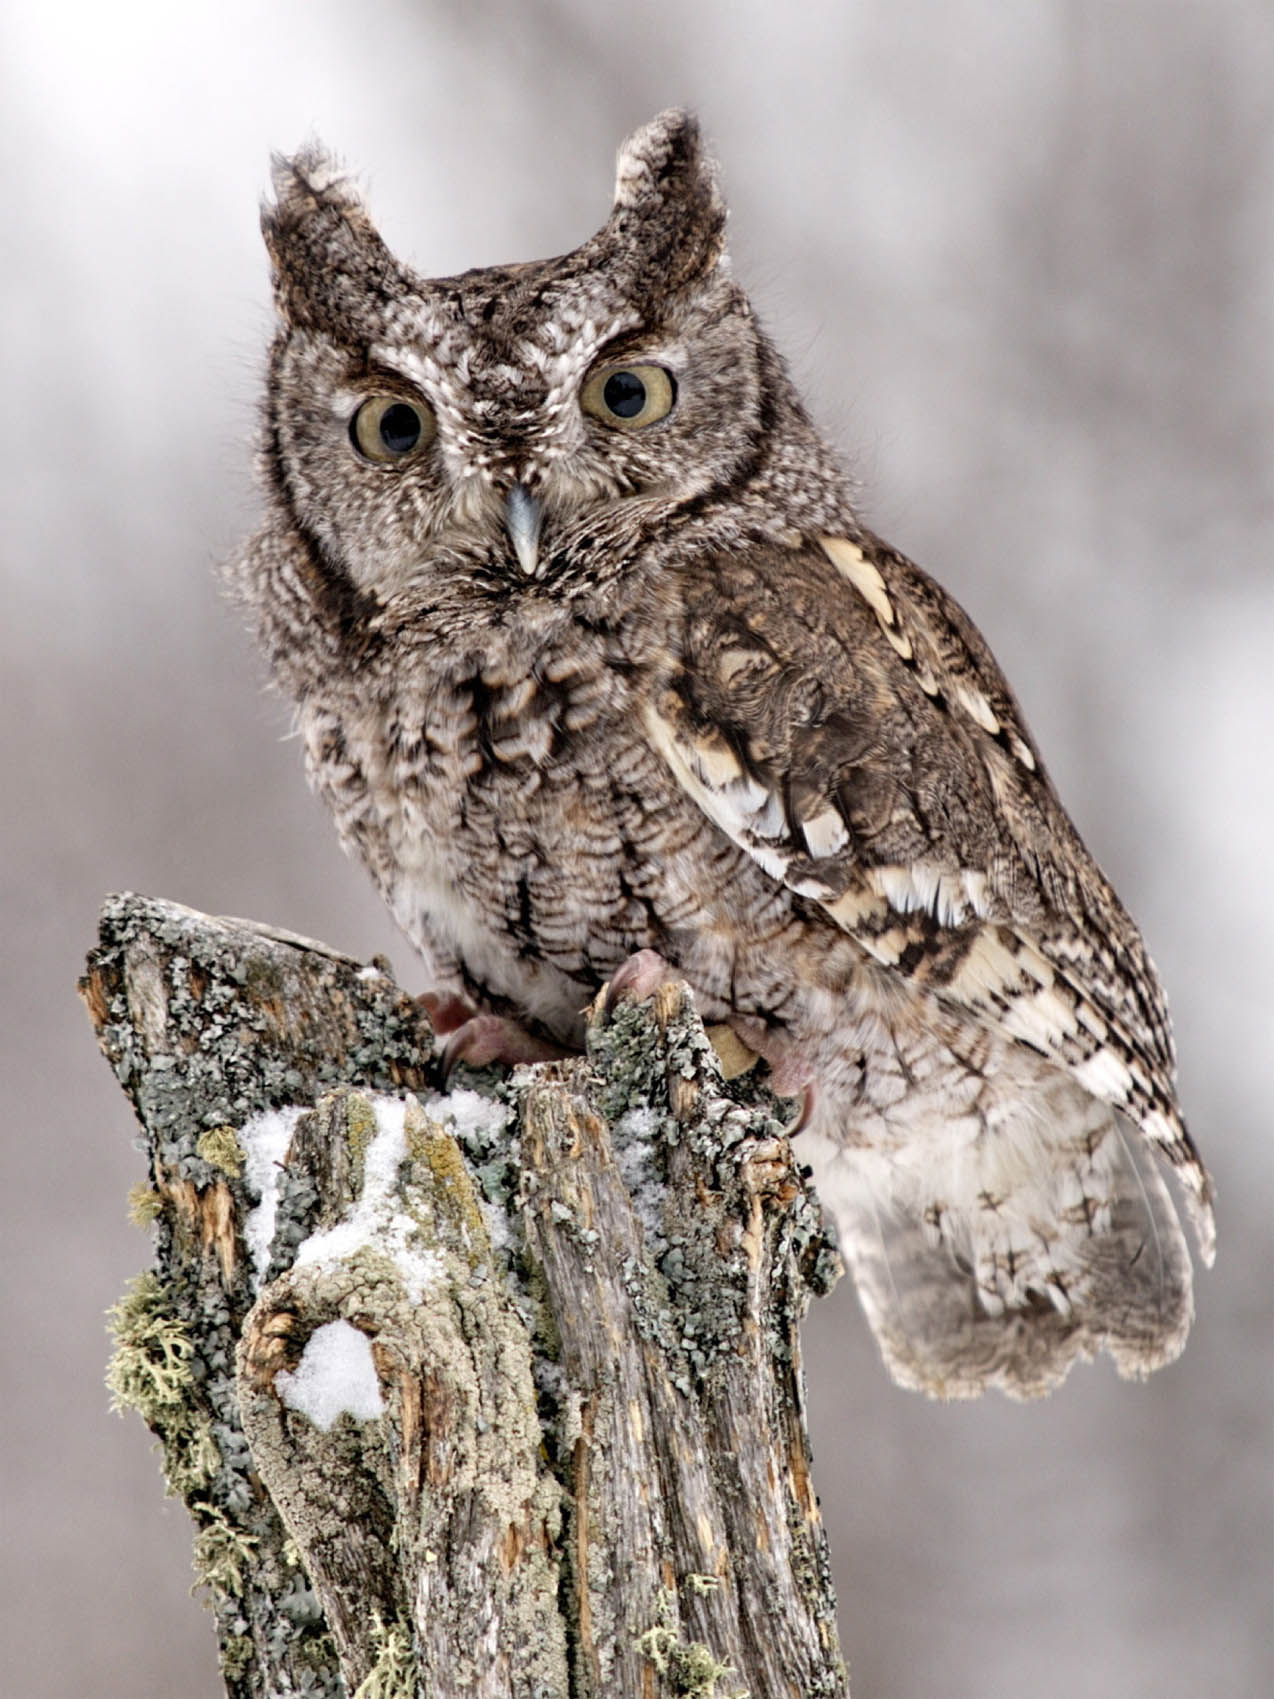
[(638, 978)]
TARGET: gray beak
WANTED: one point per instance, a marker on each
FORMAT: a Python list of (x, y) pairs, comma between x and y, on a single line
[(523, 516)]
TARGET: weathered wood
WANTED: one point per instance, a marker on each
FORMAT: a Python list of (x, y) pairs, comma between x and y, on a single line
[(490, 1392)]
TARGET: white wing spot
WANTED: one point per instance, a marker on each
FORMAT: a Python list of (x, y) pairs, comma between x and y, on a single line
[(1034, 963), (743, 809), (1105, 1075), (1092, 1021), (978, 891), (731, 662), (854, 907), (825, 834), (897, 886), (853, 565), (887, 947), (715, 761), (1043, 1020), (988, 969), (977, 708)]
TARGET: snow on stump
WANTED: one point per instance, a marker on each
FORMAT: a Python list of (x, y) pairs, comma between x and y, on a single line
[(489, 1391)]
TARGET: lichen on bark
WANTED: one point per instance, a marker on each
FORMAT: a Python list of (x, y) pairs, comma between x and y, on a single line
[(581, 1286)]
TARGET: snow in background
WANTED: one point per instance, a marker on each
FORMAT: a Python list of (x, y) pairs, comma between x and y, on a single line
[(1020, 259)]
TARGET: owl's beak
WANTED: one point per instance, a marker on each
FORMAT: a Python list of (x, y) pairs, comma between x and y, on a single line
[(523, 516)]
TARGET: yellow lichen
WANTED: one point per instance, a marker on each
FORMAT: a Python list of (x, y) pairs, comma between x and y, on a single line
[(360, 1130), (237, 1654), (144, 1204), (220, 1146), (433, 1148)]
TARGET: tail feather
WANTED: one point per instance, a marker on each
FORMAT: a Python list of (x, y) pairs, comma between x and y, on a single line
[(997, 1259)]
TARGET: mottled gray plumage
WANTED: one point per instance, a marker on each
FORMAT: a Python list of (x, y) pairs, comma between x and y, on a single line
[(577, 681)]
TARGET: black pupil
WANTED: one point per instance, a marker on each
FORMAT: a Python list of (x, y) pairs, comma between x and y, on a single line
[(624, 394), (400, 428)]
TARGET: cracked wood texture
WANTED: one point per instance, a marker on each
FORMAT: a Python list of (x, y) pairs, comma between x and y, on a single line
[(584, 1467)]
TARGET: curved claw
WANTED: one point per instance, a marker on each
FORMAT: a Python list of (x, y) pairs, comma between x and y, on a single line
[(447, 1010), (637, 978), (486, 1039), (791, 1073), (809, 1102)]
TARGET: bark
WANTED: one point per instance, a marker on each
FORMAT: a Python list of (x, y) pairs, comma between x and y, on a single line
[(570, 1458)]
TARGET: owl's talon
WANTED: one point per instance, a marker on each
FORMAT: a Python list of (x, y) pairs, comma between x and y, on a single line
[(809, 1100), (447, 1010), (791, 1069), (484, 1040), (637, 979)]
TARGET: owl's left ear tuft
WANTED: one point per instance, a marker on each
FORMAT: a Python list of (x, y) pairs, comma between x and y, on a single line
[(310, 177), (667, 200), (325, 253)]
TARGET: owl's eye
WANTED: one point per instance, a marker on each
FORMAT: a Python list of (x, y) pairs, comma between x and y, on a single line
[(389, 428), (629, 396)]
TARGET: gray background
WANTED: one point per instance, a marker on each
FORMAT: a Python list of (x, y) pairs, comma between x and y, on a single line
[(1019, 256)]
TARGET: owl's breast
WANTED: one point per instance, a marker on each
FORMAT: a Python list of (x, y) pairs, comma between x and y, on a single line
[(528, 837), (512, 815)]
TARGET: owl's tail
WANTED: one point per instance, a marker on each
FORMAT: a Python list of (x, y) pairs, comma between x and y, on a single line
[(997, 1255)]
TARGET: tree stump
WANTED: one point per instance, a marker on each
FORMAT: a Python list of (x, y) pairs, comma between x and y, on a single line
[(486, 1391)]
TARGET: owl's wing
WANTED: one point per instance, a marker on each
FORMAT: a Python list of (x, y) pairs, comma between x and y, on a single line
[(841, 719)]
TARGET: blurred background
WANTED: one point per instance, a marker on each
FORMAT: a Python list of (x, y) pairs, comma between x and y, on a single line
[(1020, 259)]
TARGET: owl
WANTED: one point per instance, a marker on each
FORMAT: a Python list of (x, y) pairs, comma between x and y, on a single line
[(597, 666)]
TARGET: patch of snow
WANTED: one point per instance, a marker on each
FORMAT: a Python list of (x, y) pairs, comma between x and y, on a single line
[(335, 1377), (264, 1140), (470, 1113), (378, 1219), (635, 1138)]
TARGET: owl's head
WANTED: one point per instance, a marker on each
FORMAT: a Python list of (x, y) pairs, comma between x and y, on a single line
[(520, 426)]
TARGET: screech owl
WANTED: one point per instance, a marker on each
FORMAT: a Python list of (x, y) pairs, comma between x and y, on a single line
[(592, 655)]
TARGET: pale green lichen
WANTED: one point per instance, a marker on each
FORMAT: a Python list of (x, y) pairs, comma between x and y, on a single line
[(150, 1372), (702, 1583), (150, 1369), (393, 1675), (220, 1146), (691, 1669), (223, 1553), (145, 1205), (237, 1654), (191, 1456)]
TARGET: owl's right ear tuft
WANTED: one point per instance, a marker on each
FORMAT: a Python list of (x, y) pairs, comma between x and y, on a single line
[(667, 201), (326, 255)]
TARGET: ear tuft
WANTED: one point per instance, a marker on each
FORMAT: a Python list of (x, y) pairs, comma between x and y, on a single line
[(667, 199), (327, 257), (310, 177)]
